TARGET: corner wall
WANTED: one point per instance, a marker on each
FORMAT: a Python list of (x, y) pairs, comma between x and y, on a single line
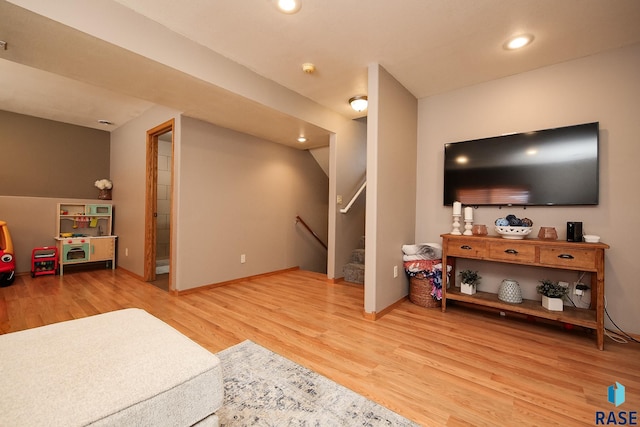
[(391, 187), (128, 172), (603, 88), (240, 195)]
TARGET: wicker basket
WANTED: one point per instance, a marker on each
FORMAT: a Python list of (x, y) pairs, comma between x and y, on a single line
[(420, 292)]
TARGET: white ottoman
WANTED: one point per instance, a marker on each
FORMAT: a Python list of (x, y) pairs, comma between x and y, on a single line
[(120, 368)]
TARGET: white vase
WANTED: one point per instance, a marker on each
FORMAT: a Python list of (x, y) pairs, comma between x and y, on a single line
[(552, 304), (509, 291), (467, 289)]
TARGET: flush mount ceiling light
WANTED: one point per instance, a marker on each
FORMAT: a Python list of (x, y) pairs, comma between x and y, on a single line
[(308, 68), (359, 103), (518, 42), (302, 139), (289, 6)]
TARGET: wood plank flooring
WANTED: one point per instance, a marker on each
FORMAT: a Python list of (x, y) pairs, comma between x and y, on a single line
[(459, 368)]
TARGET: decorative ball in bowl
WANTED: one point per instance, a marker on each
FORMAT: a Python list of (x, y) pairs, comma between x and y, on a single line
[(512, 232), (512, 227)]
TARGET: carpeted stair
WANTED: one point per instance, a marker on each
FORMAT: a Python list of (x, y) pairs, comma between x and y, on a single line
[(354, 270)]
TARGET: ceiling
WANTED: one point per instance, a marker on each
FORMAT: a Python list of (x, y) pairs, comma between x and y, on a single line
[(430, 46)]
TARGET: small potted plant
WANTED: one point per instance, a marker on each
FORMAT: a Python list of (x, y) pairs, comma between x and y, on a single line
[(469, 281), (552, 294), (104, 186)]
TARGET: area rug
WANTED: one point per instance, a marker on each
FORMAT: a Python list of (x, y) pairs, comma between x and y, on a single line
[(263, 388)]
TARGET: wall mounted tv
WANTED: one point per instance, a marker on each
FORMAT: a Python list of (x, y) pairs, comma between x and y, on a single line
[(542, 168)]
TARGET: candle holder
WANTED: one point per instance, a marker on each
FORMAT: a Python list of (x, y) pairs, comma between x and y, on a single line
[(456, 225), (468, 225)]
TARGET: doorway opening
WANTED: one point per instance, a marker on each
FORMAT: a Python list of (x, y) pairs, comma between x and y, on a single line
[(159, 206)]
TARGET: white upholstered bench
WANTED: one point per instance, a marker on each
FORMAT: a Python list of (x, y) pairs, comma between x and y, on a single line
[(120, 368)]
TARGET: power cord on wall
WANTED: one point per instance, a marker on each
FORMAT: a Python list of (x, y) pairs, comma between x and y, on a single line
[(621, 337), (581, 297)]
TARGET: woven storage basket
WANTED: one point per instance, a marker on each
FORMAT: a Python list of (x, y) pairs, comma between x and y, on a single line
[(420, 292)]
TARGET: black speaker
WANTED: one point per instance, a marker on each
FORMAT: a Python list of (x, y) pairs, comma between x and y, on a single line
[(574, 231)]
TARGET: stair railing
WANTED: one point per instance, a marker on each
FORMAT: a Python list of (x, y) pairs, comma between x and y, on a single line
[(301, 221), (354, 198)]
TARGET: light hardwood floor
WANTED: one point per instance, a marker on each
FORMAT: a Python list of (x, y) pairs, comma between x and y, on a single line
[(462, 367)]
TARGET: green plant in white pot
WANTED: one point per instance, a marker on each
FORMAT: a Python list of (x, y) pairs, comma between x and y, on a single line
[(469, 281), (552, 294)]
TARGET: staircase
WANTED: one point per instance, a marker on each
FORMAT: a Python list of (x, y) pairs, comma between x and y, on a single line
[(354, 270)]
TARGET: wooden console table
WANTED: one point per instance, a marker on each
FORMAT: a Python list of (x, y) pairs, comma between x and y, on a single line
[(537, 253)]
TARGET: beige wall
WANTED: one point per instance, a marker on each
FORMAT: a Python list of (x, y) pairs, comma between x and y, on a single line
[(391, 187), (44, 158), (241, 195), (128, 165), (236, 194), (603, 88)]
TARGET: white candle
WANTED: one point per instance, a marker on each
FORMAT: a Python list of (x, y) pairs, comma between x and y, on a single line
[(457, 208), (468, 213)]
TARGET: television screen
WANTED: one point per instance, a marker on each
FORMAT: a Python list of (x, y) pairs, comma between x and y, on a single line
[(546, 167)]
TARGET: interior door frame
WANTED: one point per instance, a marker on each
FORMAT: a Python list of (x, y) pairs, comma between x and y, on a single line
[(151, 201)]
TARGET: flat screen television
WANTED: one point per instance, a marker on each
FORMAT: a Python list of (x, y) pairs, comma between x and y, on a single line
[(542, 168)]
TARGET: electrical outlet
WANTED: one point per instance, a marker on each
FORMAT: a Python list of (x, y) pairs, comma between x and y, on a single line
[(579, 288), (126, 251), (243, 258), (395, 271), (339, 199)]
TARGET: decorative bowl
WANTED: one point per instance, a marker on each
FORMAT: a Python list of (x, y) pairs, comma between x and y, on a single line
[(514, 233)]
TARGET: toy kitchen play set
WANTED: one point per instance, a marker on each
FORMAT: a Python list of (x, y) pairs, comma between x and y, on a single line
[(84, 234)]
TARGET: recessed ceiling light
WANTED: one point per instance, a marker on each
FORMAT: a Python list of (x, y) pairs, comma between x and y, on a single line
[(518, 42), (289, 6), (302, 139)]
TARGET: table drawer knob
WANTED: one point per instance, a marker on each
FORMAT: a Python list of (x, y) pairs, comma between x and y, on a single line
[(466, 247), (511, 251), (565, 256)]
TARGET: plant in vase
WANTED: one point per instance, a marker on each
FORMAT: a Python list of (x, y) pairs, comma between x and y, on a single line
[(552, 294), (469, 281), (104, 186)]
